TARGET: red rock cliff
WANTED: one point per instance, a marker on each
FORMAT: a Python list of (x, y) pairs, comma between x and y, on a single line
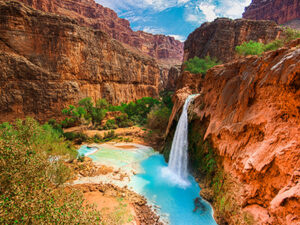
[(49, 61), (88, 12), (250, 110), (280, 11), (220, 37)]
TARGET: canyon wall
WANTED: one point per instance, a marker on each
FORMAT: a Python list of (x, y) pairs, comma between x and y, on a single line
[(280, 11), (219, 38), (89, 13), (48, 61), (249, 110)]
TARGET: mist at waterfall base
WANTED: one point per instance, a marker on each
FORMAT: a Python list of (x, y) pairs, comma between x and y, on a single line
[(175, 202)]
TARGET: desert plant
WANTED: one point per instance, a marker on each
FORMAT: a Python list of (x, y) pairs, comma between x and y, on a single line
[(250, 48), (197, 65)]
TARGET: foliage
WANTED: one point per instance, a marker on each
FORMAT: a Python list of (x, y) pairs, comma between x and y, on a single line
[(123, 121), (158, 118), (138, 111), (110, 124), (290, 34), (167, 99), (78, 138), (110, 135), (197, 65), (256, 48), (278, 43), (250, 48), (31, 174)]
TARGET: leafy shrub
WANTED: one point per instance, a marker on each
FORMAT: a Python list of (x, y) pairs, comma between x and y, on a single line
[(78, 138), (256, 48), (30, 191), (69, 122), (250, 48), (167, 99), (197, 65), (110, 135), (158, 118), (97, 138), (273, 45), (123, 121), (110, 124)]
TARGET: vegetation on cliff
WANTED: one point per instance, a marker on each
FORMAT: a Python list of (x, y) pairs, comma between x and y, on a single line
[(200, 66), (257, 48), (32, 170)]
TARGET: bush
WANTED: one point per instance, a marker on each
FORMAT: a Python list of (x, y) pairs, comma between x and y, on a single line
[(110, 124), (256, 48), (30, 191), (123, 121), (274, 45), (158, 118), (78, 138), (197, 65), (250, 48), (110, 135)]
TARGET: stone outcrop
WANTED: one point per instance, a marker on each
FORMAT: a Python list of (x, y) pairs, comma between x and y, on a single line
[(48, 62), (250, 111), (219, 38), (280, 11), (89, 13)]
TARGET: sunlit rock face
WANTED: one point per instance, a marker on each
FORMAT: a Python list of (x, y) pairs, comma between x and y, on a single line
[(219, 38), (48, 62), (89, 13), (251, 109), (280, 11)]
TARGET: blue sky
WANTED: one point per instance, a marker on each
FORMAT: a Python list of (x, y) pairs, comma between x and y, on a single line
[(176, 18)]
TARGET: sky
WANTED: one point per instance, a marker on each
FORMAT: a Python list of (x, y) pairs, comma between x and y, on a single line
[(177, 18)]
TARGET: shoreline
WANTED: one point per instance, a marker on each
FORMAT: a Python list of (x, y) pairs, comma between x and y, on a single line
[(112, 183), (144, 214)]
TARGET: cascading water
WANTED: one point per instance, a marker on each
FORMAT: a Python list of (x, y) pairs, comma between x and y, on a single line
[(178, 162)]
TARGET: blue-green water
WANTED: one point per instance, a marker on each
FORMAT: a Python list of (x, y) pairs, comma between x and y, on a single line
[(174, 198)]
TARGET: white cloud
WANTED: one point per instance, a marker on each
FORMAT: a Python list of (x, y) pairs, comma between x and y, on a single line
[(178, 37), (153, 30), (233, 8), (157, 5), (208, 10)]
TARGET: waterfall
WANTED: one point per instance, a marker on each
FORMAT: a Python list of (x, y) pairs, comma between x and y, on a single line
[(178, 162)]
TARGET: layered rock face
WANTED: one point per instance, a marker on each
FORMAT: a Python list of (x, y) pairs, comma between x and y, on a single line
[(219, 38), (88, 12), (49, 61), (280, 11), (250, 110)]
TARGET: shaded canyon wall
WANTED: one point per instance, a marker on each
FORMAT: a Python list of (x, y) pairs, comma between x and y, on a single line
[(219, 38), (48, 61), (89, 13), (280, 11)]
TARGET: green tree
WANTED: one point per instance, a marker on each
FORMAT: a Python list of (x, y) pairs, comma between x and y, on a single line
[(250, 48), (197, 65), (32, 170)]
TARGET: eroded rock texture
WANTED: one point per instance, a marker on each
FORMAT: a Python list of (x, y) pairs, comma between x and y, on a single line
[(251, 109), (280, 11), (88, 12), (219, 38), (49, 61)]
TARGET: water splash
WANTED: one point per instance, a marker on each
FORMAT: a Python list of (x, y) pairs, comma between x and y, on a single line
[(178, 163)]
